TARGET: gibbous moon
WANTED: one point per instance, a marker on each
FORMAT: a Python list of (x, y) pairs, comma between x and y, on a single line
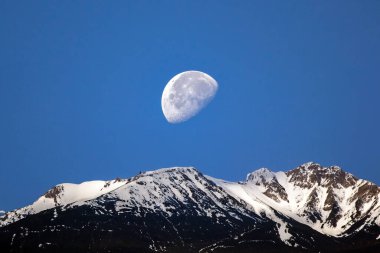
[(186, 94)]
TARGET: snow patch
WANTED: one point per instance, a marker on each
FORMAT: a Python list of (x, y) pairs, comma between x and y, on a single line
[(285, 236)]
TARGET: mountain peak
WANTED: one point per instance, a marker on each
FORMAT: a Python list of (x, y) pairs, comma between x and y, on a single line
[(177, 201), (182, 170), (171, 169), (313, 167), (260, 174), (308, 164), (310, 174)]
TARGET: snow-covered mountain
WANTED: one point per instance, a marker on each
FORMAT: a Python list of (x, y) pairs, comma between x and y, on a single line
[(327, 199), (310, 208), (61, 195)]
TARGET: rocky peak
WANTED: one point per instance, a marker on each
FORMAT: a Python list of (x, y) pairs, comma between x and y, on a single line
[(311, 174), (327, 196)]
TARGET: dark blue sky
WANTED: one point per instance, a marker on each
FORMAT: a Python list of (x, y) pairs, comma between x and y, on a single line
[(81, 85)]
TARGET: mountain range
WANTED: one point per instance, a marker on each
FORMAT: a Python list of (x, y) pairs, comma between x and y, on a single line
[(310, 208)]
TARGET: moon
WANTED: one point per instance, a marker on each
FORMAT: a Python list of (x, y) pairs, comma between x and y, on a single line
[(186, 94)]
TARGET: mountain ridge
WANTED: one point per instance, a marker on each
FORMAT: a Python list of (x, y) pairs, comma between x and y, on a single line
[(292, 210), (318, 185)]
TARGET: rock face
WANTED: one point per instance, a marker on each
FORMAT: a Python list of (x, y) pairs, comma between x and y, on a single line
[(308, 209), (325, 198)]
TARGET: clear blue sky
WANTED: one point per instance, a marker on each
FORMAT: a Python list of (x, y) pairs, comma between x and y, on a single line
[(81, 85)]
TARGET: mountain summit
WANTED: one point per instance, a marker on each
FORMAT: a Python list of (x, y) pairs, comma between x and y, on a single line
[(308, 209), (327, 199)]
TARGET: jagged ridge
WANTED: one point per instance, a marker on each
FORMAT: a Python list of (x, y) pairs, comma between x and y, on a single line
[(180, 209)]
